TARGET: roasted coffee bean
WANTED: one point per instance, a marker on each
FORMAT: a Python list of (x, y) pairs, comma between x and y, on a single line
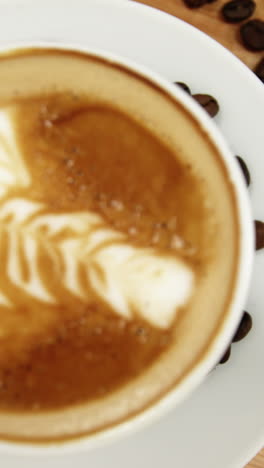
[(226, 356), (195, 3), (209, 103), (259, 70), (252, 34), (259, 226), (245, 170), (243, 328), (183, 86), (238, 10)]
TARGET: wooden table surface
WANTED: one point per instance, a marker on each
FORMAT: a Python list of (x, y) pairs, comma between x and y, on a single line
[(208, 19)]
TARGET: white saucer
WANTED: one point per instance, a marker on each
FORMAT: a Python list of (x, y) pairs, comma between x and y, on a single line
[(222, 424)]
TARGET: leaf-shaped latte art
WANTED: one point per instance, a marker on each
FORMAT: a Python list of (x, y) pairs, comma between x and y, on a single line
[(84, 255)]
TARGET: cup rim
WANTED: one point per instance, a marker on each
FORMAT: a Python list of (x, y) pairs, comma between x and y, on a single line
[(241, 285)]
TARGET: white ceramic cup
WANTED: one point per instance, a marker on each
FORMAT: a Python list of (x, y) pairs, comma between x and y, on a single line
[(246, 249)]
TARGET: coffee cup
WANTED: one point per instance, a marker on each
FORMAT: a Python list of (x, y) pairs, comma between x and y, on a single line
[(126, 247)]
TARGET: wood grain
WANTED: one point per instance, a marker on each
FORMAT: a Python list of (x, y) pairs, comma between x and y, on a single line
[(258, 462), (208, 19)]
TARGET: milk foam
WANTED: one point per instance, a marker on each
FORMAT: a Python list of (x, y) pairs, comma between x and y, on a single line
[(131, 280)]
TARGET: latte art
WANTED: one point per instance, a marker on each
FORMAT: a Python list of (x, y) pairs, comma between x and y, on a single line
[(13, 173), (84, 252)]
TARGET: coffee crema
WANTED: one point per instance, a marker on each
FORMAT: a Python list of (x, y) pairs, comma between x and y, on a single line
[(119, 244)]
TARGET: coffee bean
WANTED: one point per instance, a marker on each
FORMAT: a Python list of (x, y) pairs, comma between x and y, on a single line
[(183, 86), (243, 328), (238, 10), (252, 34), (245, 170), (226, 356), (259, 226), (197, 3), (209, 103), (259, 70)]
